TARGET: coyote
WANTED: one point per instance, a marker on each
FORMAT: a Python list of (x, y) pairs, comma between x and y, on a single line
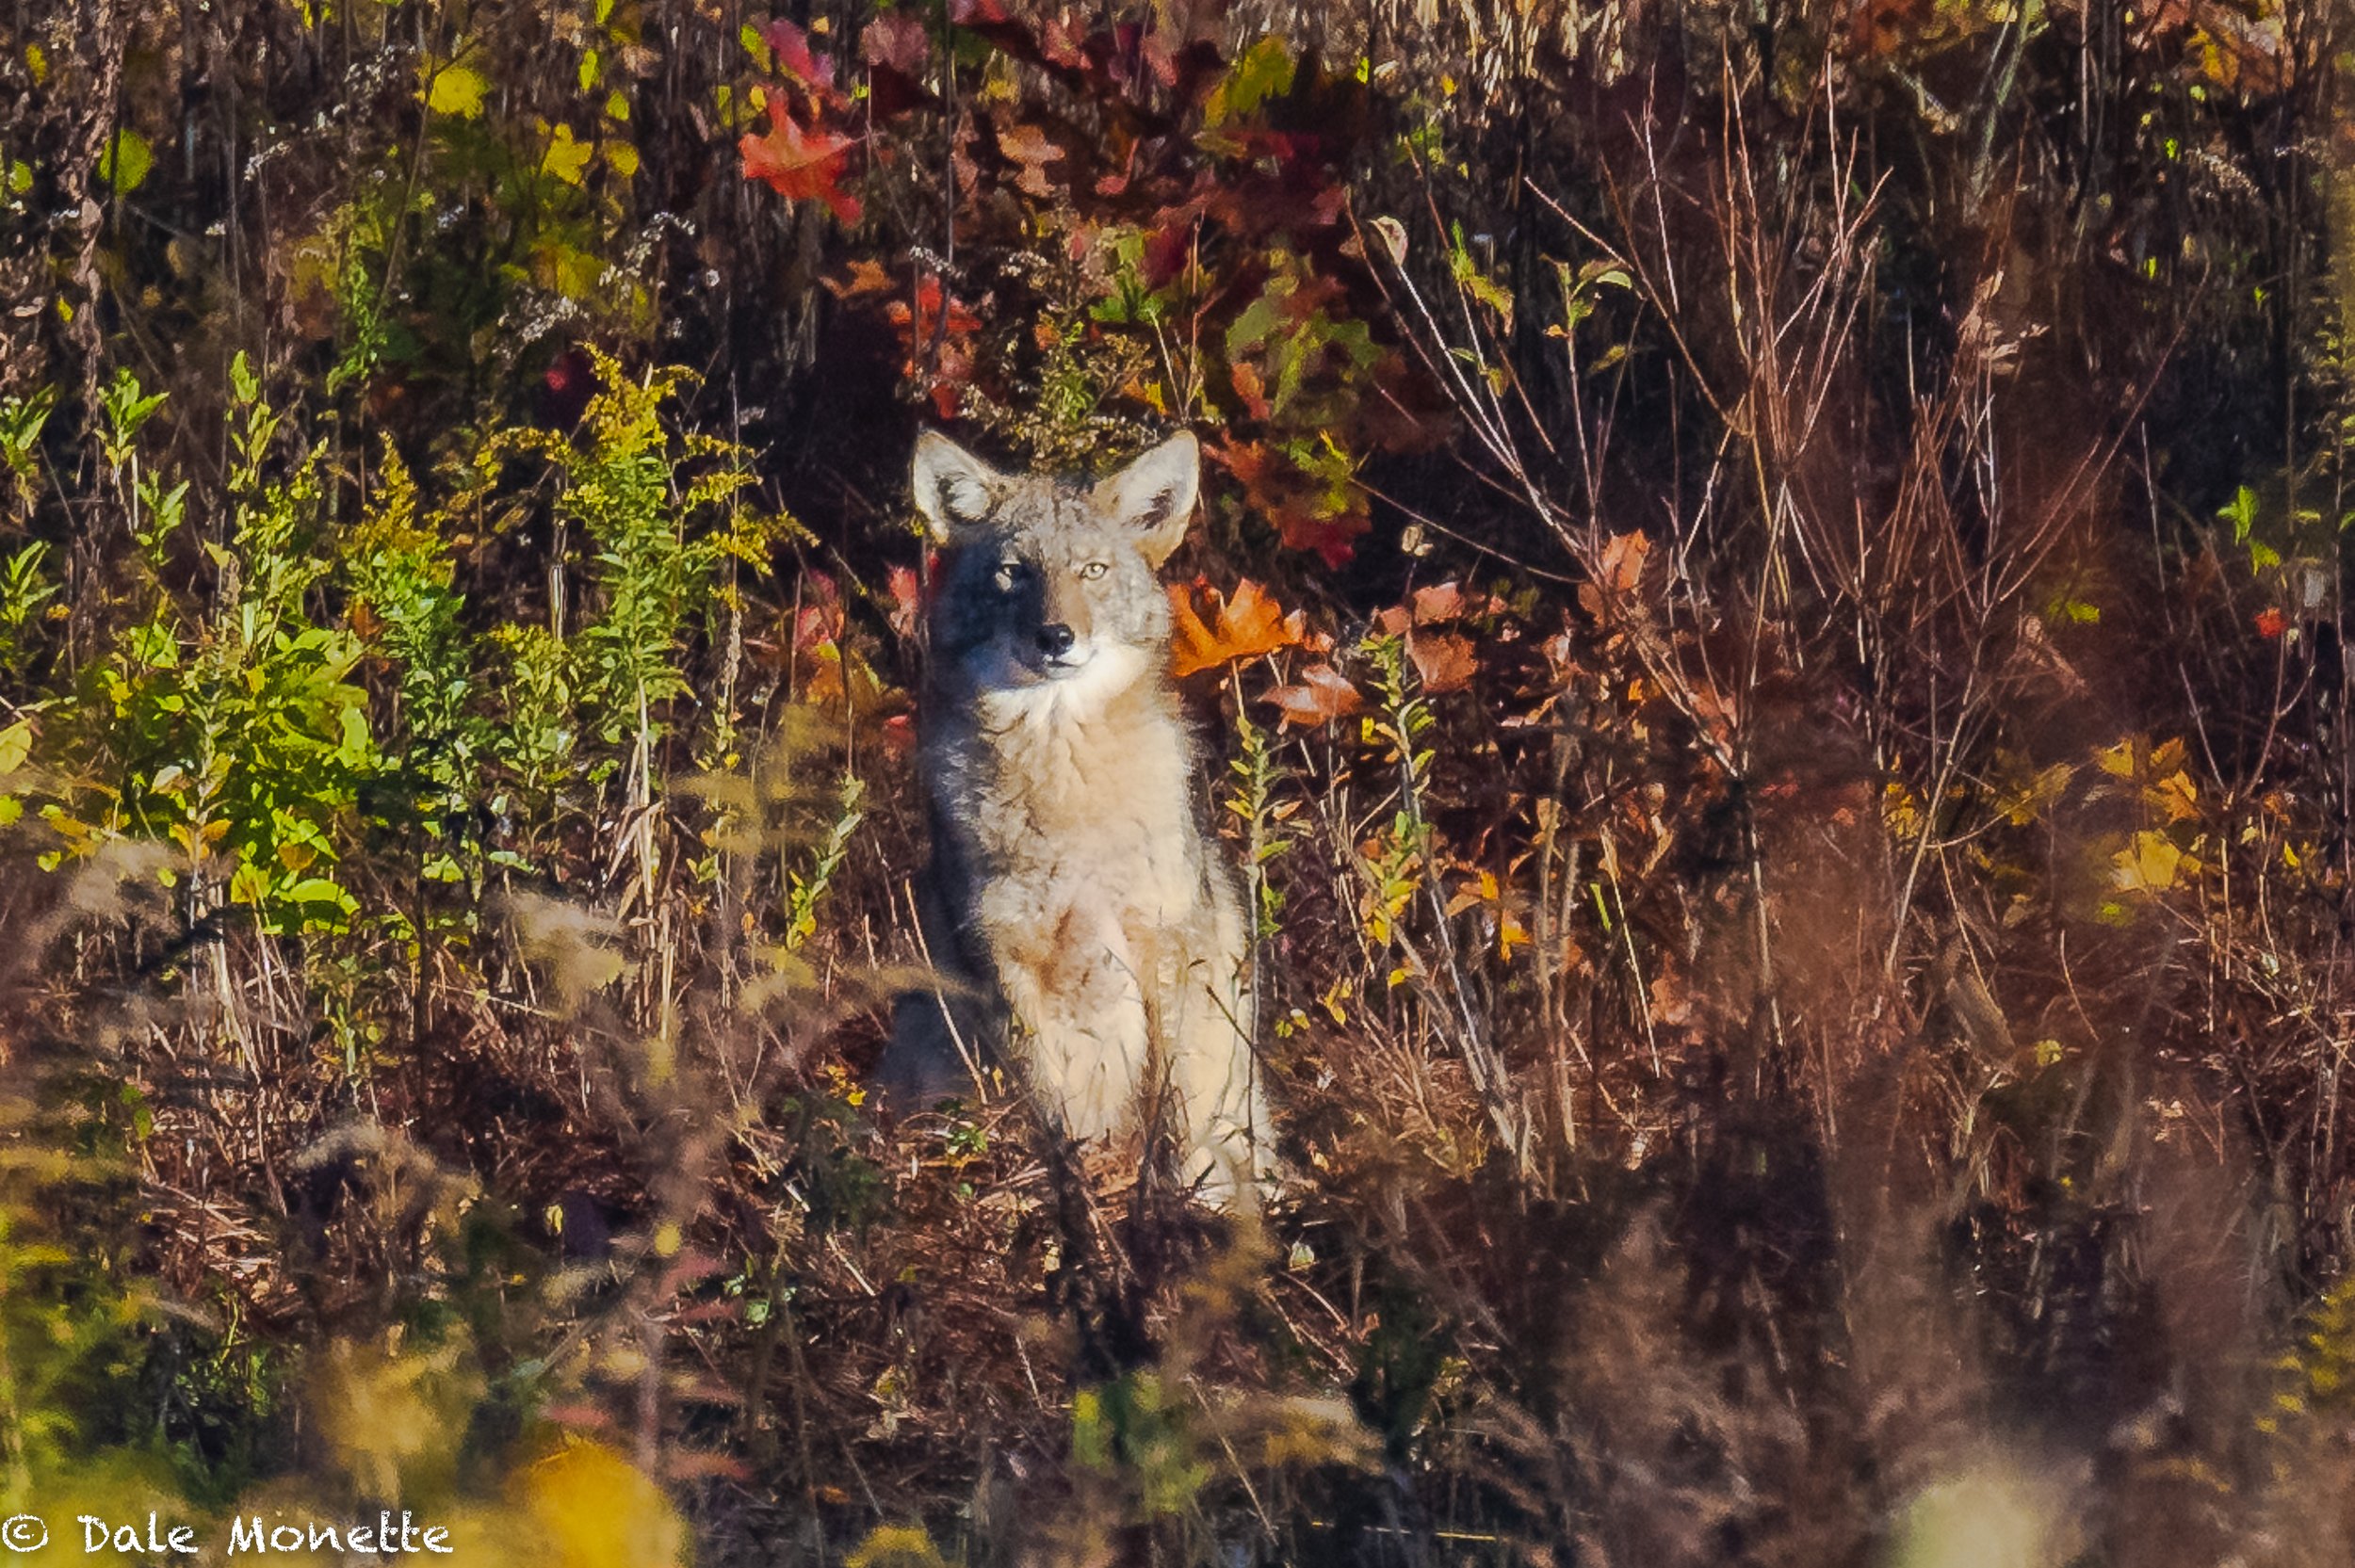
[(1079, 914)]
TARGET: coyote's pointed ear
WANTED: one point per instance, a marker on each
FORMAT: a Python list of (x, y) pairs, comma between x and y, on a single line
[(953, 488), (1155, 494)]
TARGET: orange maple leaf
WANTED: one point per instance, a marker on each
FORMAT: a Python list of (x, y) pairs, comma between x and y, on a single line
[(866, 277), (1244, 626)]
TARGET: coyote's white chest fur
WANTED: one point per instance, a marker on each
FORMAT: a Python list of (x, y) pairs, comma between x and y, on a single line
[(1085, 920)]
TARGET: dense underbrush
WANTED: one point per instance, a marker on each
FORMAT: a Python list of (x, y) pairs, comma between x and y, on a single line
[(1770, 613)]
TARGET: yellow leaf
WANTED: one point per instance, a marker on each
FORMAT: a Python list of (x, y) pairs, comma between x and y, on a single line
[(594, 1509), (2022, 804), (1898, 810), (896, 1546), (572, 272), (566, 159), (2150, 863), (2177, 796), (622, 158), (386, 1417), (456, 89), (16, 745), (1511, 933)]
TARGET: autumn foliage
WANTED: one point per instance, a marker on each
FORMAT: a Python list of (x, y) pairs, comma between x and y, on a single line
[(1767, 624)]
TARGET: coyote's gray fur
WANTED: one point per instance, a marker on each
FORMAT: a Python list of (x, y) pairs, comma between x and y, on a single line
[(1074, 904)]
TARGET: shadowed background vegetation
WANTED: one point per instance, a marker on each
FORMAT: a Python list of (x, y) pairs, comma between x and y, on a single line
[(1770, 614)]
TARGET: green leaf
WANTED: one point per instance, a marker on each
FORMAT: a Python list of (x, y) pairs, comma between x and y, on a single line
[(356, 744), (319, 890), (1482, 287), (126, 162), (1263, 71), (2241, 512)]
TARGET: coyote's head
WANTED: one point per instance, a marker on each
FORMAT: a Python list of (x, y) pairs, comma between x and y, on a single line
[(1046, 586)]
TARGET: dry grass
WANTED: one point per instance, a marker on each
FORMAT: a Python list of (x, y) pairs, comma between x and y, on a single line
[(1809, 1000)]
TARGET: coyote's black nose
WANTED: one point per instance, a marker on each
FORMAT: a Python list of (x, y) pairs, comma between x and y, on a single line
[(1055, 638)]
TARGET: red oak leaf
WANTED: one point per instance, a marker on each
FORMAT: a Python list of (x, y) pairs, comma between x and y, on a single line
[(801, 164), (917, 326)]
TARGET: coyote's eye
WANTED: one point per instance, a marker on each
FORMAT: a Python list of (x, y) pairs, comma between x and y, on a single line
[(1009, 574), (1093, 569)]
